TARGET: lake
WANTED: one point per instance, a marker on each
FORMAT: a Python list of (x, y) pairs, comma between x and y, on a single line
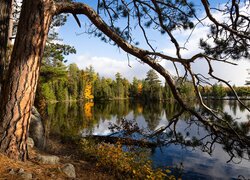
[(195, 162)]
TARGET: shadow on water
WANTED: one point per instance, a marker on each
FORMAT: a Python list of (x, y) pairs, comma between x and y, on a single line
[(189, 147)]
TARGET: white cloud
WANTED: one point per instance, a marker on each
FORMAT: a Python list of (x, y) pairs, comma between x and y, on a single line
[(108, 67)]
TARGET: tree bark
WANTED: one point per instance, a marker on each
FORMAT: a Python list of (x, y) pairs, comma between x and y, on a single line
[(11, 22), (19, 89), (5, 14)]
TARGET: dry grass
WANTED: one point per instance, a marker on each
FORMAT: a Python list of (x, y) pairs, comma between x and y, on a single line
[(67, 154), (38, 171)]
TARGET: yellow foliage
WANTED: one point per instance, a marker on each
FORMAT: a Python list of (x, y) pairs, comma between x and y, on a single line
[(88, 91), (88, 110), (140, 108), (130, 165), (139, 88)]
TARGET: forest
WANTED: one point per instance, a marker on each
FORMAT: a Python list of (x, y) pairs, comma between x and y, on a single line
[(66, 83)]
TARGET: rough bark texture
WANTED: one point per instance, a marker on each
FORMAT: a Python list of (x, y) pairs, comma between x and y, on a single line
[(5, 12), (11, 22), (20, 87)]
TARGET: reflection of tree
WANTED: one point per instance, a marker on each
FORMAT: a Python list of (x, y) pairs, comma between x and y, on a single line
[(170, 109), (102, 111), (88, 118), (68, 119), (120, 108), (152, 113), (216, 104), (233, 106), (137, 108), (88, 110), (64, 119), (234, 137), (242, 108)]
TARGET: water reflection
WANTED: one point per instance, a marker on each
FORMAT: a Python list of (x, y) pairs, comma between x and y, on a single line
[(77, 118)]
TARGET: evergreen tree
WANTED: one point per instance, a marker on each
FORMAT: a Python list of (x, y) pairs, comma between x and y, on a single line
[(135, 89), (73, 81), (152, 86), (126, 86), (119, 87)]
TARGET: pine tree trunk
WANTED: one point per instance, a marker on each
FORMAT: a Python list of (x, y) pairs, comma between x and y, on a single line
[(5, 13), (11, 22), (19, 89)]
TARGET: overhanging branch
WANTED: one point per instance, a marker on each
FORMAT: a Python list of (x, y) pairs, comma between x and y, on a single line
[(146, 57)]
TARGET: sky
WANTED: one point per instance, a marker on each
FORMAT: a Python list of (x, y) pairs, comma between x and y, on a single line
[(107, 59)]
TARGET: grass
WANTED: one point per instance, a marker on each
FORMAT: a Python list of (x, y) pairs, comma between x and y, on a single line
[(38, 171)]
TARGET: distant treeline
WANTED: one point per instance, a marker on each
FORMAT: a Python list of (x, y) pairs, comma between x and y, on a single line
[(62, 83), (218, 91)]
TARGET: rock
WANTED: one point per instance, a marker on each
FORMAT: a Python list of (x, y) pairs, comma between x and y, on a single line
[(21, 170), (48, 159), (26, 175), (12, 171), (21, 173), (30, 142), (69, 170), (36, 130)]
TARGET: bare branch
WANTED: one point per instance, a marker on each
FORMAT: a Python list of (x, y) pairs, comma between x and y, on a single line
[(77, 20), (210, 16)]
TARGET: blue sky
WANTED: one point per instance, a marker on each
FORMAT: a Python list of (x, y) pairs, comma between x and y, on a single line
[(107, 59)]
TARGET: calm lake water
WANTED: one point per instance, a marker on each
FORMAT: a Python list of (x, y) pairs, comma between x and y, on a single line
[(73, 119)]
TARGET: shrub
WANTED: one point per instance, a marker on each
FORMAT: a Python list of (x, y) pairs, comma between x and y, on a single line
[(123, 164)]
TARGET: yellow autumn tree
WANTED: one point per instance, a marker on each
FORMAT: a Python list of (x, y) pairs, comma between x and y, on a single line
[(89, 77), (88, 95), (139, 88)]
